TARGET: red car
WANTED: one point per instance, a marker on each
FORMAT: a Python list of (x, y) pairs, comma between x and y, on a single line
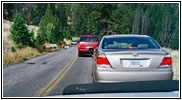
[(87, 44)]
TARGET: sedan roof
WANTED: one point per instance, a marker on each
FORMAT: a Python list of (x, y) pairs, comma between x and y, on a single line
[(89, 36), (125, 35)]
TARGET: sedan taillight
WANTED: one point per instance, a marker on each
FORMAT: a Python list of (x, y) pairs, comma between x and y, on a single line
[(102, 61), (166, 61), (78, 45)]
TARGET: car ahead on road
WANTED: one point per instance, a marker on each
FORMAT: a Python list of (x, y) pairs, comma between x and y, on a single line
[(122, 58), (87, 44), (74, 42)]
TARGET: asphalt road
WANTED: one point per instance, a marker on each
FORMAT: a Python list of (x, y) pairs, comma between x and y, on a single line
[(46, 75)]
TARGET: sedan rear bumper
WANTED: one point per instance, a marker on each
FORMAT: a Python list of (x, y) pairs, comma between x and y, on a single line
[(113, 76), (86, 51), (83, 50)]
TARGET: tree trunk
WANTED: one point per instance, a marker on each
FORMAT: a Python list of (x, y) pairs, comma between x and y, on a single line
[(146, 23), (143, 24), (27, 12), (165, 31), (136, 22)]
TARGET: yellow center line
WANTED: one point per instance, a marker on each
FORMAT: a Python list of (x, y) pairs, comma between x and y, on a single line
[(59, 79), (38, 94)]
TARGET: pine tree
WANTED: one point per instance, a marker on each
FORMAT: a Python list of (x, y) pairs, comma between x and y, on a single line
[(41, 34), (48, 28), (48, 17), (19, 32)]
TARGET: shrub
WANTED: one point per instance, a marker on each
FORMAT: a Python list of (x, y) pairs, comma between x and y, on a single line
[(20, 54), (60, 44), (20, 46), (13, 49), (19, 32), (40, 48), (67, 34), (51, 38), (41, 36)]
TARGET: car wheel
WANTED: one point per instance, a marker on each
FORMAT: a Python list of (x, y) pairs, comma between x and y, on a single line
[(93, 80), (92, 77), (79, 54)]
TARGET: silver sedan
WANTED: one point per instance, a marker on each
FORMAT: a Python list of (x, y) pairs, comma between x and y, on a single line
[(122, 58)]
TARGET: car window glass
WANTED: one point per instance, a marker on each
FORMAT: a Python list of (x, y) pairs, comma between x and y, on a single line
[(88, 39), (126, 42)]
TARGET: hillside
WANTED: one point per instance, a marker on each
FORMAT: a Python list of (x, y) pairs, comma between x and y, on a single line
[(7, 42)]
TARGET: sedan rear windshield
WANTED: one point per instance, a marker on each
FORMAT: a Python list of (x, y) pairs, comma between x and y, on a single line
[(129, 43), (74, 40), (89, 39)]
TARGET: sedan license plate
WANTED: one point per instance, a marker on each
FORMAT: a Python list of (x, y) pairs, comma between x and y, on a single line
[(89, 47), (135, 63)]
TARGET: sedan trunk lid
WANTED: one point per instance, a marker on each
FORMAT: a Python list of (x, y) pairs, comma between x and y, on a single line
[(135, 59), (88, 44)]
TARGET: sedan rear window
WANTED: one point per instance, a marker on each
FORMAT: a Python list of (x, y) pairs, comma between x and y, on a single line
[(74, 40), (129, 43), (89, 39)]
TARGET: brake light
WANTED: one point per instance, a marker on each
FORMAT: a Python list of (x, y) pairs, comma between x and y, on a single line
[(131, 47), (166, 61), (102, 61), (78, 44)]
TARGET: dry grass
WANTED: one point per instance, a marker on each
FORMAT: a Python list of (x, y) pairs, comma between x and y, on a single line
[(19, 55), (6, 33), (75, 38), (175, 64)]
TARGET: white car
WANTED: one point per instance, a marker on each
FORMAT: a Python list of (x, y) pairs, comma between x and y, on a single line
[(74, 42)]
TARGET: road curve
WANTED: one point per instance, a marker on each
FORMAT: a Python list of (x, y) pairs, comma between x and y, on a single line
[(46, 75)]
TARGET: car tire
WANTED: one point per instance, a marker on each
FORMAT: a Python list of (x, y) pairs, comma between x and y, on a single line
[(79, 54), (93, 80), (92, 77)]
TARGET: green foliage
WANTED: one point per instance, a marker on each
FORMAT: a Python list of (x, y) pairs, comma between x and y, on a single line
[(20, 45), (58, 21), (7, 11), (120, 21), (49, 28), (41, 36), (37, 11), (164, 24), (51, 38), (60, 12), (10, 9), (19, 32), (66, 34), (48, 17), (13, 49)]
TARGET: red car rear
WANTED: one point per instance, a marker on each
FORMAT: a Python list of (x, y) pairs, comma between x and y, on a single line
[(87, 44)]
